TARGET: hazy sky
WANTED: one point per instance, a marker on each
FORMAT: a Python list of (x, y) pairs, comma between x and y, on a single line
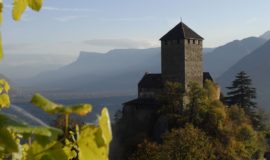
[(68, 26)]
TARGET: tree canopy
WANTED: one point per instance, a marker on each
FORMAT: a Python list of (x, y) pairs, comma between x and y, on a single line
[(210, 130), (241, 92)]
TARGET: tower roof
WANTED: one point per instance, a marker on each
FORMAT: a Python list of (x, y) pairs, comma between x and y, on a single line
[(181, 31)]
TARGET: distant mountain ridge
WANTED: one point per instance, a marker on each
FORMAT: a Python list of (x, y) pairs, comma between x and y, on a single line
[(223, 57), (23, 66), (266, 35), (119, 70), (257, 66), (116, 70)]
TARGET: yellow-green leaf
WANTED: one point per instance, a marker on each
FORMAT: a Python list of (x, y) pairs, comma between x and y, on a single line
[(4, 84), (1, 11), (15, 126), (7, 141), (19, 7), (35, 4), (45, 104), (88, 147), (53, 108), (42, 131), (4, 101), (69, 149), (105, 125), (52, 150), (81, 109)]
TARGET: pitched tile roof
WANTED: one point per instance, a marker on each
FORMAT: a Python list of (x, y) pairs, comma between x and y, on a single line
[(181, 31)]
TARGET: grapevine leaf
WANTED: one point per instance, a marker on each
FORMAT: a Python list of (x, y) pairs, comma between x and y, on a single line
[(7, 141), (53, 108), (6, 121), (42, 140), (42, 131), (105, 125), (81, 109), (19, 7), (45, 104), (4, 100), (1, 11), (18, 127), (55, 132), (88, 147), (25, 149), (4, 84), (4, 88), (52, 150), (35, 4), (69, 149)]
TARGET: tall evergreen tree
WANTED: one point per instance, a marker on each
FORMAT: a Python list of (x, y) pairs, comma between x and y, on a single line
[(241, 92)]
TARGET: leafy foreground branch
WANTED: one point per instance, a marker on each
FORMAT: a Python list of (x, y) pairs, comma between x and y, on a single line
[(87, 141), (19, 7), (47, 143)]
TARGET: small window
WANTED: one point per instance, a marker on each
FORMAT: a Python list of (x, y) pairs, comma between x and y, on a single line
[(199, 42), (194, 41), (189, 41)]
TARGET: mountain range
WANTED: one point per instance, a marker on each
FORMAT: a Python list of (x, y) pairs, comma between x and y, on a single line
[(116, 71), (120, 70), (222, 58), (257, 66), (23, 65)]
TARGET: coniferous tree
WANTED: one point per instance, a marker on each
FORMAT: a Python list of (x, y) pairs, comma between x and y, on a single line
[(241, 92)]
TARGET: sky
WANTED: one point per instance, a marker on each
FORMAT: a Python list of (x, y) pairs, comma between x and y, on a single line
[(71, 26)]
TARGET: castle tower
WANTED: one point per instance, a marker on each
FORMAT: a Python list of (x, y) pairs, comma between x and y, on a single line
[(181, 56)]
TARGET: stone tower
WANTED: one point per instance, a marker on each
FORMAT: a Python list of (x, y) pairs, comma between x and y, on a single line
[(181, 56)]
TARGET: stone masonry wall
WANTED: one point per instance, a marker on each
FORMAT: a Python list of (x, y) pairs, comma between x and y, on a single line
[(172, 60), (193, 62)]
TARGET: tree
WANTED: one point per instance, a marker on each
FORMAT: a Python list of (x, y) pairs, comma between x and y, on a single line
[(208, 130), (198, 103), (147, 150), (172, 100), (172, 105), (188, 143), (242, 93)]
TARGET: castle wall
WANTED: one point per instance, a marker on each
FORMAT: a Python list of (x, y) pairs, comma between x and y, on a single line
[(193, 62), (172, 58), (182, 61), (149, 93)]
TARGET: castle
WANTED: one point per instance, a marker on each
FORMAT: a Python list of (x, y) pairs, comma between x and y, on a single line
[(181, 61)]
